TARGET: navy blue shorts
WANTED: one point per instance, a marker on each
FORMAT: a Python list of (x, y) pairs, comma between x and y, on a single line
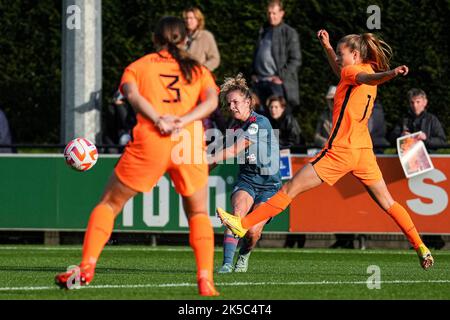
[(258, 194)]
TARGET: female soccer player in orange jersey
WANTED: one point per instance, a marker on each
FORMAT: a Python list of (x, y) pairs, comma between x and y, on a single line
[(361, 62), (171, 92)]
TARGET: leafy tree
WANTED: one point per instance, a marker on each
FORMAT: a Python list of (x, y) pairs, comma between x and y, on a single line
[(30, 50)]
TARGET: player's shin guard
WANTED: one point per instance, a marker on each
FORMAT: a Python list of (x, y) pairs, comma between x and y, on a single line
[(269, 209), (201, 239), (98, 232), (403, 220)]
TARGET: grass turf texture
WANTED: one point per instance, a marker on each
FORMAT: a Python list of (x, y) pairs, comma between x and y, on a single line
[(138, 272)]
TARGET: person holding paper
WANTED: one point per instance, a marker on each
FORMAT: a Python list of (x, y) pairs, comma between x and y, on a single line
[(419, 119)]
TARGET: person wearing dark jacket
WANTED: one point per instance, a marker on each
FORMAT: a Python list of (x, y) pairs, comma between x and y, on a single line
[(377, 128), (419, 119), (290, 134), (433, 136), (5, 133), (277, 58)]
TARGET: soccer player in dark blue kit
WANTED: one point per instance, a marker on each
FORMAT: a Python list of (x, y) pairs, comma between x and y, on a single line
[(255, 144)]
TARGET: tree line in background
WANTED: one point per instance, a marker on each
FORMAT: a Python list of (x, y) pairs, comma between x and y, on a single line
[(30, 52)]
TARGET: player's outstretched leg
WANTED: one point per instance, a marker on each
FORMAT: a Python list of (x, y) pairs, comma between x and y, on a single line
[(398, 213), (425, 258), (403, 220), (265, 211), (303, 180), (232, 222)]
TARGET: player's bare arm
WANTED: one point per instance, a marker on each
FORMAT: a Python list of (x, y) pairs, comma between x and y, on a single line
[(165, 124), (331, 55), (230, 152), (203, 110), (139, 103), (381, 77)]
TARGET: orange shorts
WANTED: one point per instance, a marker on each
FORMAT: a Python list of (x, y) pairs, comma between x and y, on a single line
[(332, 164), (149, 155)]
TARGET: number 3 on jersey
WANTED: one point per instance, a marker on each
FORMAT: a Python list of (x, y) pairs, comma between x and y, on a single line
[(174, 93)]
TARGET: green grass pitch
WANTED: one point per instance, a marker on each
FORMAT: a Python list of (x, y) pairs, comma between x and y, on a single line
[(139, 272)]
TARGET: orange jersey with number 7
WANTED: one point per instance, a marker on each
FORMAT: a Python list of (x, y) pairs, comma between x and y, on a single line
[(353, 104)]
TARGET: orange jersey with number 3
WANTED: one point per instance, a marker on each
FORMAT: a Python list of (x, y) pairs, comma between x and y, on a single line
[(160, 82), (149, 154), (353, 104)]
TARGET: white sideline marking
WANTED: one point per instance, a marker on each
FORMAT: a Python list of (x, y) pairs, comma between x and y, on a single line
[(217, 249), (224, 284)]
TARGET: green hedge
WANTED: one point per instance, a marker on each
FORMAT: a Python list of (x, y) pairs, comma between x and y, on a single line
[(30, 43)]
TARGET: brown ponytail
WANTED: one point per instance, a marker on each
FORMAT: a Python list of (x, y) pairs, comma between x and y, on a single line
[(373, 50), (170, 32)]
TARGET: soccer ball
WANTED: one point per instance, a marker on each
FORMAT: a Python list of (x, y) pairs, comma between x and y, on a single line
[(81, 154)]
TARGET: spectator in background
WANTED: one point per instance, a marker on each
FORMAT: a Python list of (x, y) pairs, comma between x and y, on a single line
[(277, 58), (120, 121), (377, 128), (419, 119), (325, 122), (290, 135), (433, 136), (126, 118), (280, 118), (5, 133), (201, 44)]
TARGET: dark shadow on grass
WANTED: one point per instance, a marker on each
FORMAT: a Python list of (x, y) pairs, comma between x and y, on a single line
[(97, 270), (30, 269)]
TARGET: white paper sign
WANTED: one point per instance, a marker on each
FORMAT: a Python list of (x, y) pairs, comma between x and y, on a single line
[(413, 155)]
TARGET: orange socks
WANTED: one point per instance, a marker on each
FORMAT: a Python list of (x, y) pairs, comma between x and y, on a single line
[(403, 220), (269, 209), (101, 224), (201, 239)]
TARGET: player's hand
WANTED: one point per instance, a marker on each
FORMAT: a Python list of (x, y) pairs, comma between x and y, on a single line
[(166, 124), (179, 124), (276, 80), (422, 136), (324, 38), (402, 70)]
